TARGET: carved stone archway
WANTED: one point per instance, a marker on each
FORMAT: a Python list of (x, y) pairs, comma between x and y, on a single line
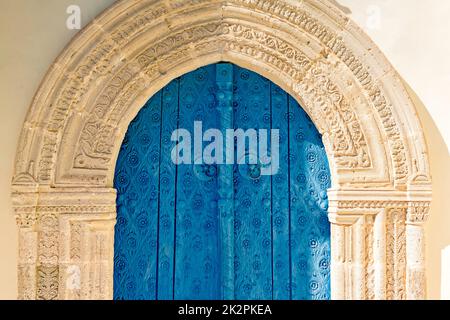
[(62, 188)]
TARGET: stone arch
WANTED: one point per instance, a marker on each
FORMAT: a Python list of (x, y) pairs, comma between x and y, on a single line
[(62, 187)]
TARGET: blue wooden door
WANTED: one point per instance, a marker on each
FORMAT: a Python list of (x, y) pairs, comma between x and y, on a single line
[(221, 231)]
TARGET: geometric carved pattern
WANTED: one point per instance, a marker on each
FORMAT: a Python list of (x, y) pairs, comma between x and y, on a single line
[(396, 254), (47, 283), (369, 259), (66, 154), (306, 65)]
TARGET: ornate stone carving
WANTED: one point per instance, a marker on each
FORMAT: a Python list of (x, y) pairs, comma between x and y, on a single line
[(46, 271), (418, 212), (386, 244), (396, 254), (25, 216), (47, 282), (65, 208), (349, 146), (369, 258), (26, 275), (75, 240), (105, 61)]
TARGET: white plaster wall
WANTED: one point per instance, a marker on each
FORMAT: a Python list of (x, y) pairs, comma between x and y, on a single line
[(414, 34), (415, 37), (32, 34)]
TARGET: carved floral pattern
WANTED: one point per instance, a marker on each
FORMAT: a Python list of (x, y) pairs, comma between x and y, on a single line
[(396, 254), (80, 113)]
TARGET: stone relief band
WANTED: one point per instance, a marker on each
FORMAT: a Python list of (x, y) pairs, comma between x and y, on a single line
[(62, 187)]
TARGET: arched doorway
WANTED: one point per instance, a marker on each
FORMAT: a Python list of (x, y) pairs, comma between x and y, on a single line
[(217, 230), (63, 193)]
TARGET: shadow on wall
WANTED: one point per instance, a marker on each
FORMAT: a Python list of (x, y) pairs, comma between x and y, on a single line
[(437, 228)]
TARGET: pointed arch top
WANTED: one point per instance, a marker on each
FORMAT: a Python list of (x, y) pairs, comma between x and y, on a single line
[(81, 111)]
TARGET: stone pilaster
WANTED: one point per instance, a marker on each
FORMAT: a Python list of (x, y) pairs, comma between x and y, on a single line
[(378, 249), (416, 284), (25, 214), (66, 243), (379, 255)]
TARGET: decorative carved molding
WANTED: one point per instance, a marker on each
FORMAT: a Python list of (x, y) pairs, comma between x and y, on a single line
[(25, 217), (51, 255), (369, 259), (62, 199), (418, 212), (396, 254), (306, 66)]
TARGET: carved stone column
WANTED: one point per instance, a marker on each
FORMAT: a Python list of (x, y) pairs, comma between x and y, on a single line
[(338, 261), (347, 250), (348, 256), (66, 242), (395, 252), (378, 249), (416, 287), (25, 212), (379, 256)]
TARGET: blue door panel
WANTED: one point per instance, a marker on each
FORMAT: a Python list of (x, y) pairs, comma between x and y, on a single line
[(136, 181), (167, 193), (309, 226), (221, 231), (253, 256), (197, 258), (225, 186), (280, 200)]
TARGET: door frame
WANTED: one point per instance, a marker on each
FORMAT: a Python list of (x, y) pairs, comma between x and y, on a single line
[(62, 194)]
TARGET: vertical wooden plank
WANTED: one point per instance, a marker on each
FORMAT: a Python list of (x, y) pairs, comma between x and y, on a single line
[(167, 182), (280, 199), (253, 194), (147, 217), (224, 80), (137, 183), (197, 256), (310, 229)]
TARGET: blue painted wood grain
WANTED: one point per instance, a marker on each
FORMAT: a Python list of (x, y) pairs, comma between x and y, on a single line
[(225, 190), (197, 258), (280, 200), (221, 231)]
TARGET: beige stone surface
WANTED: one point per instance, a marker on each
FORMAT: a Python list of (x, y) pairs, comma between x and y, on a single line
[(414, 35), (364, 155), (32, 34)]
